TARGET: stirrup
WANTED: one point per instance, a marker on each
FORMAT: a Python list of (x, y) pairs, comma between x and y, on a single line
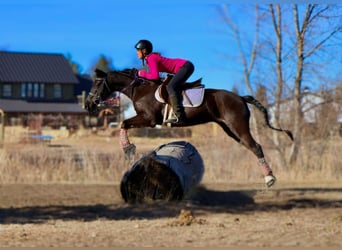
[(172, 119)]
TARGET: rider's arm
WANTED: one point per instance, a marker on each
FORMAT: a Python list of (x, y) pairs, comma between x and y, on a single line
[(153, 73)]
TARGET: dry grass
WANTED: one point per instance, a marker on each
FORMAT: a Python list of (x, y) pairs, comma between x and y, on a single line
[(88, 158)]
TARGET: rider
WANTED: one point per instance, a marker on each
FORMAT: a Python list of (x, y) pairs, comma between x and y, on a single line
[(181, 68)]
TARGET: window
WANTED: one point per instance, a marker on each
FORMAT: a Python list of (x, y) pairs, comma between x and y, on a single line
[(35, 90), (57, 91), (29, 90), (42, 90), (7, 90), (23, 90)]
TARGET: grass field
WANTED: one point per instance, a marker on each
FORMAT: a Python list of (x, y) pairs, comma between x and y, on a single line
[(66, 194), (85, 157)]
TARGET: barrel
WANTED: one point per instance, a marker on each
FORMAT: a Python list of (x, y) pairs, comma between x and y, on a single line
[(169, 172)]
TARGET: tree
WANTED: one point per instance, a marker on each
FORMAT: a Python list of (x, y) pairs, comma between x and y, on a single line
[(103, 63), (302, 41), (305, 36), (247, 60), (76, 68), (261, 95), (313, 19), (235, 89), (276, 17)]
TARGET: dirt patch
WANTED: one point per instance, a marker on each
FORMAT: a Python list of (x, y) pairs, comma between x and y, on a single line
[(213, 215)]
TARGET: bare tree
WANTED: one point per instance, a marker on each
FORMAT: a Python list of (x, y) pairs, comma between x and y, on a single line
[(247, 63), (303, 41), (276, 17), (301, 44), (305, 48)]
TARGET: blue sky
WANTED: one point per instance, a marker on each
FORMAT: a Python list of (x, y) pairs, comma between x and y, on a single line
[(85, 29)]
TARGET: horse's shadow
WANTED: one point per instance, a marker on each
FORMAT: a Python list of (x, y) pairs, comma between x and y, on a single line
[(200, 201)]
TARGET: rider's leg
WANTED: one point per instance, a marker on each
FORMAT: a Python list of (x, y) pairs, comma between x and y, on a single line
[(177, 108), (174, 91)]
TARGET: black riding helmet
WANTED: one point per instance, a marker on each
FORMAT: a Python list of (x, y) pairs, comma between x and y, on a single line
[(144, 44)]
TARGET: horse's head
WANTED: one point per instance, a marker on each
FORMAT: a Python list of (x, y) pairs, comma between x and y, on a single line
[(99, 91), (107, 83)]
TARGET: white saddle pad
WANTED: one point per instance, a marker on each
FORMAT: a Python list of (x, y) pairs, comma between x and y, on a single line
[(191, 97)]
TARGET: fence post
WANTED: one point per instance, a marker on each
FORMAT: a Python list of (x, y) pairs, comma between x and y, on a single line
[(2, 127)]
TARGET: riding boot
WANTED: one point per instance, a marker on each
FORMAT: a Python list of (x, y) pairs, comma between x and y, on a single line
[(178, 115)]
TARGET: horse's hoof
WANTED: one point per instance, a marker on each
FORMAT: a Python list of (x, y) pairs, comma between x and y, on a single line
[(270, 180), (129, 150)]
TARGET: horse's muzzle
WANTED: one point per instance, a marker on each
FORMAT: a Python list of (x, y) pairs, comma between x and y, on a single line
[(91, 108)]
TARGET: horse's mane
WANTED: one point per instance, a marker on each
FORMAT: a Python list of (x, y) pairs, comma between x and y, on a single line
[(126, 71), (130, 72)]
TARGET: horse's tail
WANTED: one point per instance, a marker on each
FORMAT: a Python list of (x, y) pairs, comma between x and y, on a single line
[(256, 103)]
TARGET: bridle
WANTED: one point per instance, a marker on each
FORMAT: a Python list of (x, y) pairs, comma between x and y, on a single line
[(103, 103), (98, 100)]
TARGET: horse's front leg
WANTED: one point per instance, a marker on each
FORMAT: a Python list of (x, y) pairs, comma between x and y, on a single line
[(127, 147), (137, 121)]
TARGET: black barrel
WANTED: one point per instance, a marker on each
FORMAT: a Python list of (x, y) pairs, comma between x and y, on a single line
[(167, 173)]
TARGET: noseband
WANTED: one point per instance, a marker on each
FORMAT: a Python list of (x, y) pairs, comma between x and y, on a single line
[(98, 100)]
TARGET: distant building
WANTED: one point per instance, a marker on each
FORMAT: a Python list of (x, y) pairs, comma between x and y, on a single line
[(313, 111), (40, 87)]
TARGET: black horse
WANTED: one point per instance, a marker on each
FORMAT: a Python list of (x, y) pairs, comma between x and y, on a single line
[(225, 108)]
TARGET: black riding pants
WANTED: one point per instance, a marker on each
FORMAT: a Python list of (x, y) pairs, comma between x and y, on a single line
[(173, 88)]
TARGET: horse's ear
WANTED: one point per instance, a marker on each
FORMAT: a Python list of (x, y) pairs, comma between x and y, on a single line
[(99, 73)]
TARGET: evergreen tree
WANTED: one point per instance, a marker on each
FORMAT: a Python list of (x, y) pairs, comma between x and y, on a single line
[(235, 89), (75, 67), (104, 63)]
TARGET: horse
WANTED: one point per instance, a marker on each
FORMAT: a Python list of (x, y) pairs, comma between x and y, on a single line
[(229, 110)]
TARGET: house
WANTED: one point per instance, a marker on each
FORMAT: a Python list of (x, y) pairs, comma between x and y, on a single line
[(40, 89), (316, 109)]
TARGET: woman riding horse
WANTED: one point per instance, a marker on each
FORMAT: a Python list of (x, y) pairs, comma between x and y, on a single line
[(182, 70)]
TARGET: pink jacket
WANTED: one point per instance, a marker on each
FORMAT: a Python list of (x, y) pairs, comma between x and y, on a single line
[(157, 63)]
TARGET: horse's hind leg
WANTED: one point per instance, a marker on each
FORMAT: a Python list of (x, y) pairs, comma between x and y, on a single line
[(242, 135), (247, 140)]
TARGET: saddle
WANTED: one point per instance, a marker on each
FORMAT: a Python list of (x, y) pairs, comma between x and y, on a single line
[(192, 93)]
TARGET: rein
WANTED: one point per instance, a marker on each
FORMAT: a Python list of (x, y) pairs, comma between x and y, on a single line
[(98, 100), (136, 79)]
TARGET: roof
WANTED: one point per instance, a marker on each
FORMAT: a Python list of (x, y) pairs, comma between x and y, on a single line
[(35, 67), (22, 106), (311, 104)]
